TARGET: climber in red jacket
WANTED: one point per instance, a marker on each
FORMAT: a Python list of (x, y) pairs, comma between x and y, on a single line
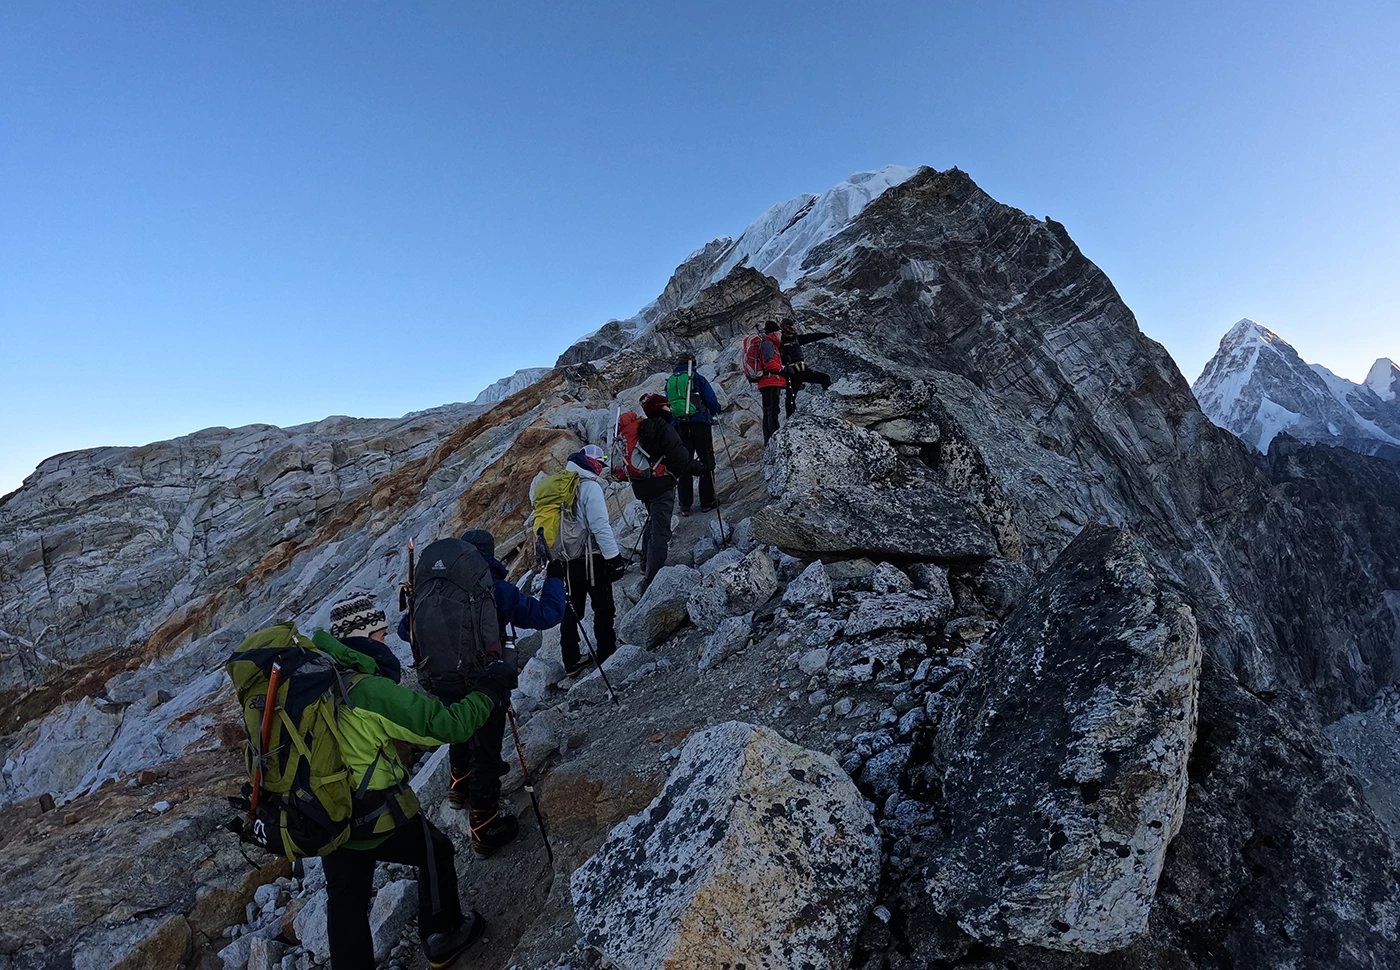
[(771, 384)]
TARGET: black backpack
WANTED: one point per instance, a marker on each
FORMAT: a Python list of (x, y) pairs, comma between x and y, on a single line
[(454, 616)]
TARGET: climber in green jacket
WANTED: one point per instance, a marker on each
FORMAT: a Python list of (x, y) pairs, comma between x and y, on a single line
[(388, 825)]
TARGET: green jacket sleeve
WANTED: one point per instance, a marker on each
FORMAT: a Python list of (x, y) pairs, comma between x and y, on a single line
[(407, 715)]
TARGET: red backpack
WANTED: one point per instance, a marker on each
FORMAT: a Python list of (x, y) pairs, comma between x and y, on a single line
[(752, 358), (637, 463)]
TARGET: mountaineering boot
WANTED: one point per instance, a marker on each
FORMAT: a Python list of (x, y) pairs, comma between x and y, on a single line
[(583, 664), (442, 948), (492, 829), (457, 792)]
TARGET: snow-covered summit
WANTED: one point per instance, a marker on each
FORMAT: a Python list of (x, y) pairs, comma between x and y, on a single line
[(1257, 385), (777, 243), (1384, 379)]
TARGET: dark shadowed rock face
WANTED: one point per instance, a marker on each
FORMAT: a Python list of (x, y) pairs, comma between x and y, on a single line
[(1065, 758), (1055, 411)]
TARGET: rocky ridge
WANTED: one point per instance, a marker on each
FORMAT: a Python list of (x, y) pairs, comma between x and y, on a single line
[(996, 398)]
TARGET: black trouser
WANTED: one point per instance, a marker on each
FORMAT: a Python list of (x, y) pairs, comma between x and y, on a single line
[(476, 764), (803, 376), (699, 441), (656, 534), (350, 885), (772, 402), (580, 590)]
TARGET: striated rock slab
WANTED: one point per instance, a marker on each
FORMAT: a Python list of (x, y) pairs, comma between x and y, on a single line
[(757, 852), (1064, 760), (928, 523)]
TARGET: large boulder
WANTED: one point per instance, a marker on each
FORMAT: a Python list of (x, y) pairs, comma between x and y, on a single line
[(927, 523), (733, 590), (810, 452), (1064, 759), (662, 608), (757, 852)]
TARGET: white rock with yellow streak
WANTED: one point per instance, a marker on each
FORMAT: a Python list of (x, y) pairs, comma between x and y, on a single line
[(757, 852)]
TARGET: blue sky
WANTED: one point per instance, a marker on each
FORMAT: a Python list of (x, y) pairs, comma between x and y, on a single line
[(221, 213)]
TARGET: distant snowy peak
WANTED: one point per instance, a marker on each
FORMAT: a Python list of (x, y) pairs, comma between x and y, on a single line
[(1256, 386), (1384, 379), (507, 386)]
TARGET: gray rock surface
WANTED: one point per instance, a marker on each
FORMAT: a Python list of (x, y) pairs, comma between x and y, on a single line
[(895, 612), (733, 590), (266, 954), (813, 452), (757, 851), (311, 928), (1065, 756), (928, 523), (812, 588), (394, 907), (662, 608), (730, 637)]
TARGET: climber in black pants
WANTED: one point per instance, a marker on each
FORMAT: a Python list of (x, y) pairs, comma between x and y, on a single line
[(798, 373)]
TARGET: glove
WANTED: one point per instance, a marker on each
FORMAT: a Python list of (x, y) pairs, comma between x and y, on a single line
[(556, 569), (697, 467), (496, 682), (614, 568)]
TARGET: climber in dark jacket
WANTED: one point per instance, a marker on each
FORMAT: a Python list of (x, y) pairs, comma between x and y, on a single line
[(476, 765), (658, 439), (798, 373), (695, 432)]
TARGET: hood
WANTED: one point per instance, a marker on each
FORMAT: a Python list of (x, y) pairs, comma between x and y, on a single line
[(582, 470)]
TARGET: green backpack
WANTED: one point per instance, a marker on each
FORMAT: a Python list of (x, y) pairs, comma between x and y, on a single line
[(298, 801), (680, 395)]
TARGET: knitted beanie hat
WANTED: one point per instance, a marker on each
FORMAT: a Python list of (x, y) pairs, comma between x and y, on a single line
[(484, 541), (356, 616), (655, 406)]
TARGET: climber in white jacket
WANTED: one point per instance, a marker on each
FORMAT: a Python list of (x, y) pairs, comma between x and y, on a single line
[(591, 575)]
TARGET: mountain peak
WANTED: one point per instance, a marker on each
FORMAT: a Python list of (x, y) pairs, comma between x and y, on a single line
[(1384, 379), (1257, 385)]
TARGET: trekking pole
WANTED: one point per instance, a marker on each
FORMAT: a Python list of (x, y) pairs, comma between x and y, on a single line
[(724, 438), (578, 623), (406, 605), (529, 785), (723, 539), (593, 654)]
